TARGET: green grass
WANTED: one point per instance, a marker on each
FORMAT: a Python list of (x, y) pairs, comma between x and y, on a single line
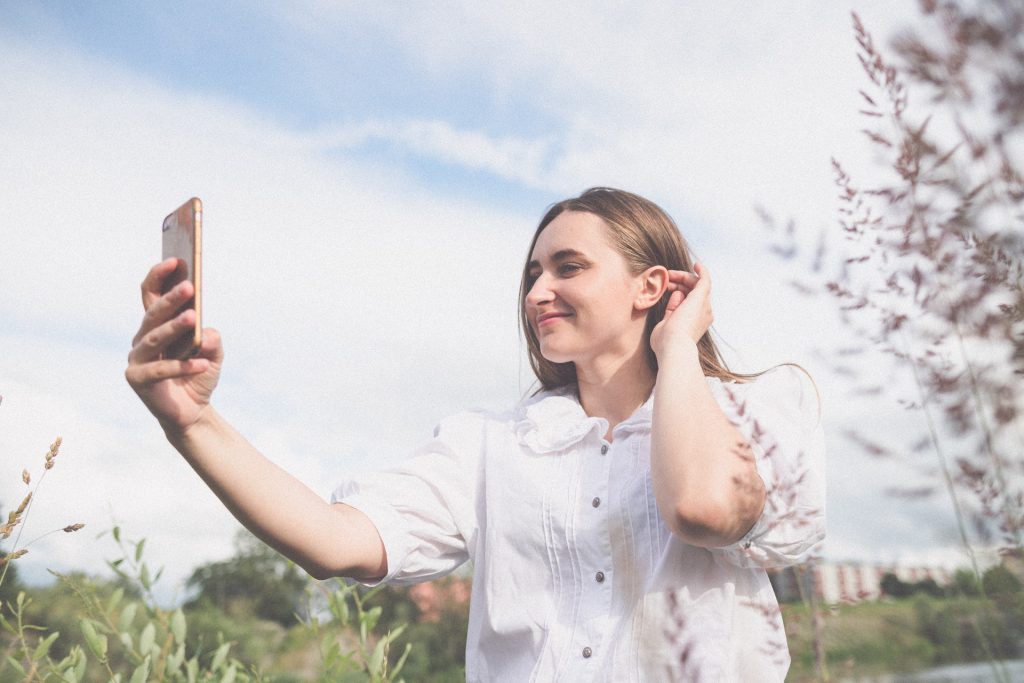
[(873, 638)]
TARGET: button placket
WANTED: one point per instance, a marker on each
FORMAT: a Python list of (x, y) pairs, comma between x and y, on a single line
[(599, 591), (594, 550)]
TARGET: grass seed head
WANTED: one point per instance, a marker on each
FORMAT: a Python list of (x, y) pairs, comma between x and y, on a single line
[(13, 556), (52, 455), (73, 527)]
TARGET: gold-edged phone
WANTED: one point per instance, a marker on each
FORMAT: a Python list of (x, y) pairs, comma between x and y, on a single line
[(183, 239)]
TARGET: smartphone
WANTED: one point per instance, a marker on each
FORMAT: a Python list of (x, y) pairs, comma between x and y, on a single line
[(183, 239)]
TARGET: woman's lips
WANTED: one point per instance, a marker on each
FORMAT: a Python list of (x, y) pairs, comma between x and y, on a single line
[(550, 318)]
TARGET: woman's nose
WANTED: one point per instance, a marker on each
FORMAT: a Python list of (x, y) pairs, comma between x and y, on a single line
[(540, 292)]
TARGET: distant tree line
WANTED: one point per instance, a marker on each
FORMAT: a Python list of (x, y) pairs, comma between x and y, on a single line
[(997, 581)]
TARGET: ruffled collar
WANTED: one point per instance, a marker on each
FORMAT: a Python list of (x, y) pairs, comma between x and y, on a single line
[(555, 420)]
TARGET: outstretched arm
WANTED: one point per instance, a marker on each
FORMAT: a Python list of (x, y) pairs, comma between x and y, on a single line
[(324, 539)]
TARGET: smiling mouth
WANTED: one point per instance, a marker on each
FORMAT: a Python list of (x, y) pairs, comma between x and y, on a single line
[(550, 318)]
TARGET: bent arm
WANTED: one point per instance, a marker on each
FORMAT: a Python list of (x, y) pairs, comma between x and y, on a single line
[(324, 539), (703, 472)]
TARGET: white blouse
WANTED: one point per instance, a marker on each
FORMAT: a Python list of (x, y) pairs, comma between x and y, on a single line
[(576, 577)]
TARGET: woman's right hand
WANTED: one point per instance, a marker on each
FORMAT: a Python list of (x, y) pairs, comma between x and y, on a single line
[(175, 391)]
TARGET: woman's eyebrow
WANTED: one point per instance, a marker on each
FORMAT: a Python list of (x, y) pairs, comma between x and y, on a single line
[(560, 255)]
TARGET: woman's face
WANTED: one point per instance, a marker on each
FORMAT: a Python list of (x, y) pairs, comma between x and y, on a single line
[(581, 293)]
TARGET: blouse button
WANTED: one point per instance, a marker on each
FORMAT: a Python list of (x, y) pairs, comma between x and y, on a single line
[(604, 448), (599, 577), (587, 652), (596, 502)]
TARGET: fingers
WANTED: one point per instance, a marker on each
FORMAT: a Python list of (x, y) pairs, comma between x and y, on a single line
[(703, 276), (153, 284), (686, 281), (211, 347), (139, 374), (148, 345), (145, 364), (164, 308), (674, 300)]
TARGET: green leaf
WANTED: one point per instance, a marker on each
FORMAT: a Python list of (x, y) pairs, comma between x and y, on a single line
[(192, 670), (16, 665), (66, 663), (115, 598), (377, 658), (7, 625), (138, 550), (372, 617), (126, 640), (178, 625), (339, 606), (332, 656), (127, 616), (401, 661), (69, 676), (219, 656), (229, 675), (115, 566), (80, 664), (141, 672), (117, 534), (144, 576), (147, 638), (21, 600), (96, 642), (43, 648), (174, 660)]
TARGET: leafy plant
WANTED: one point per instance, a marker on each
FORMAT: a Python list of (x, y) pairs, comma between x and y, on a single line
[(365, 660), (122, 634)]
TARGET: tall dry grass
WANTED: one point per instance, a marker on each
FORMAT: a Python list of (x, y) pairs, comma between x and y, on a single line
[(926, 260)]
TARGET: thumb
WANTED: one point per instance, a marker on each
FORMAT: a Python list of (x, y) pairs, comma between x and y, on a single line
[(674, 300)]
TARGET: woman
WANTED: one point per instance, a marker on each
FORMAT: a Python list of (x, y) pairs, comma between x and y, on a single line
[(619, 520)]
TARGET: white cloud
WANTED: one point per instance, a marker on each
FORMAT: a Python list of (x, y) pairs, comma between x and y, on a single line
[(710, 110), (349, 328), (521, 160)]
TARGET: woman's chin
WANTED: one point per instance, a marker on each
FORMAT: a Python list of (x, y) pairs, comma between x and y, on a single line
[(555, 355)]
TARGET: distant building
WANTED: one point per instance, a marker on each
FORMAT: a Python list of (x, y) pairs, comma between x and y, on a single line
[(839, 582)]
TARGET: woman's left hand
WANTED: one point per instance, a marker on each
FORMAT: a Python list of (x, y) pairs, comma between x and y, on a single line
[(688, 315)]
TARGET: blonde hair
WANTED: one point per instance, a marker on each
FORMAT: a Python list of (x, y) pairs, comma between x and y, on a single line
[(646, 236)]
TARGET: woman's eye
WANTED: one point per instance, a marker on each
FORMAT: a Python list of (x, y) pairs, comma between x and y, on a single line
[(569, 268)]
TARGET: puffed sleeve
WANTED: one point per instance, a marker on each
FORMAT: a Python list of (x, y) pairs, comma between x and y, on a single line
[(425, 507), (778, 414)]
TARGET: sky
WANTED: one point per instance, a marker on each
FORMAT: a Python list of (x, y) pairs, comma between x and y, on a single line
[(371, 178)]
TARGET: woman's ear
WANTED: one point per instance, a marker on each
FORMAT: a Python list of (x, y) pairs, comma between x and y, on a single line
[(653, 285)]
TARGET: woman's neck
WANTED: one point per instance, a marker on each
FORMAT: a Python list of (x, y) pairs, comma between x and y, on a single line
[(613, 388)]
